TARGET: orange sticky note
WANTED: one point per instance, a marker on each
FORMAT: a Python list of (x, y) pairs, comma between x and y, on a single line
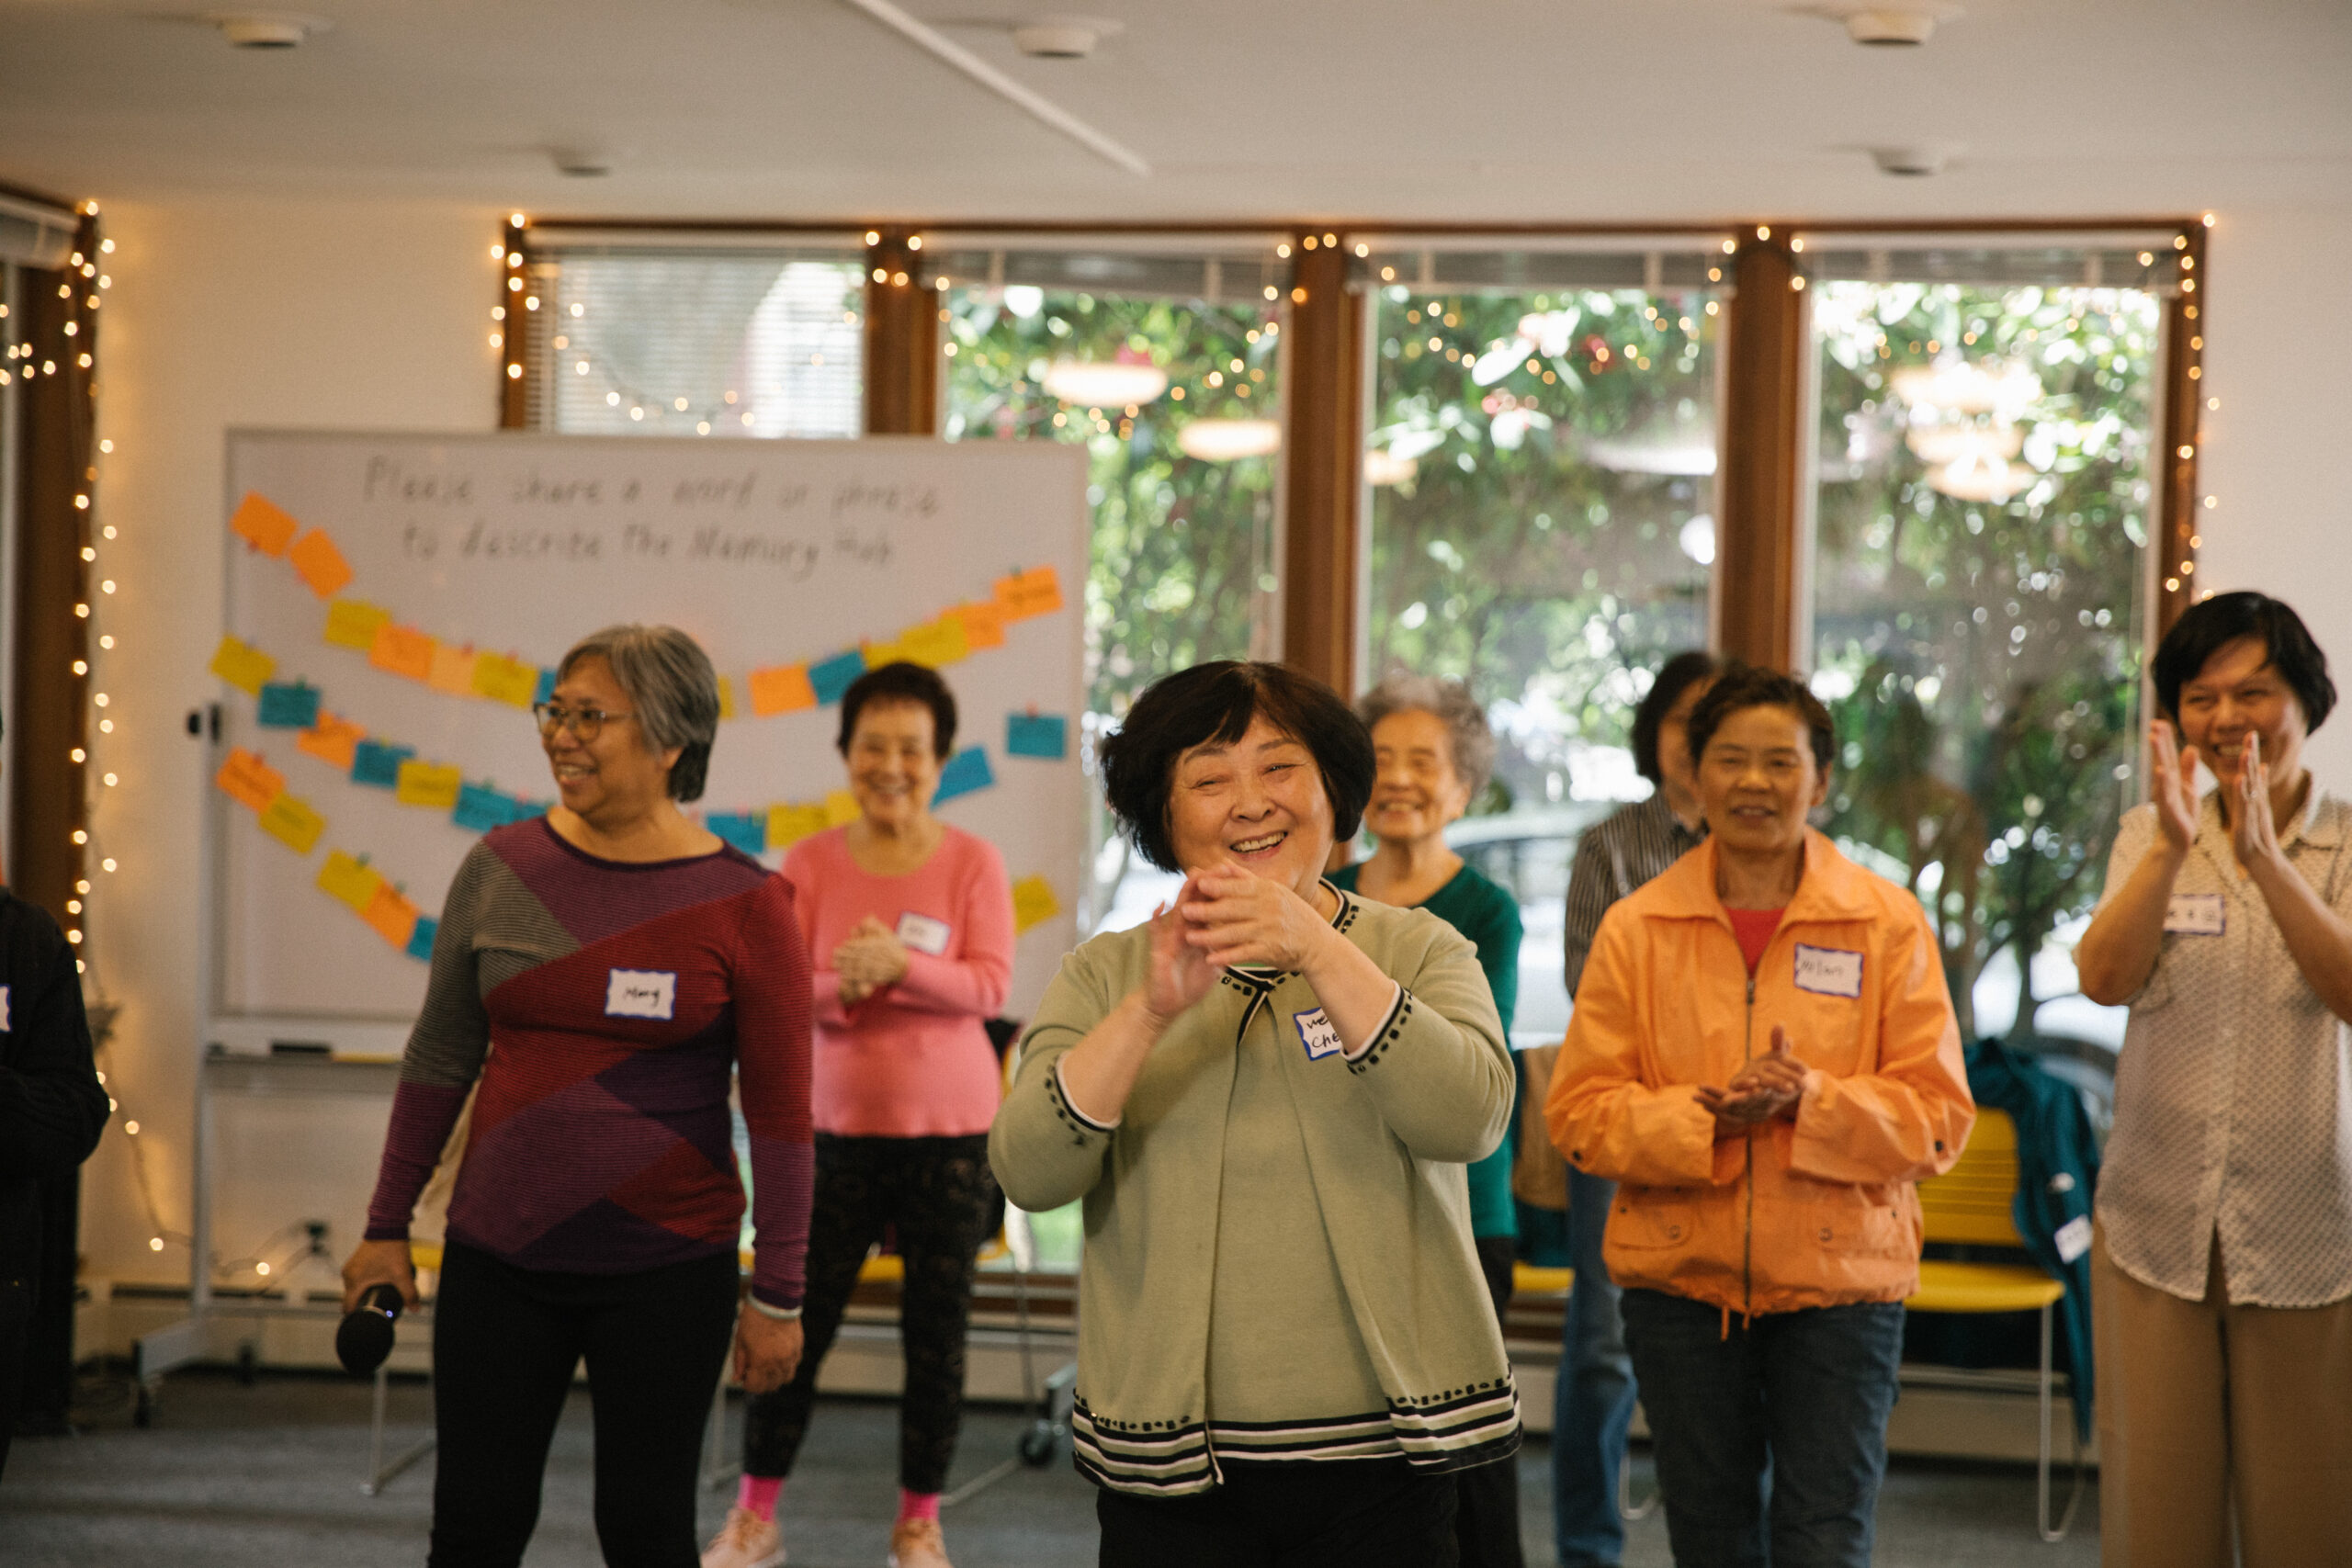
[(404, 650), (291, 822), (504, 680), (331, 741), (1025, 594), (841, 808), (262, 524), (1032, 903), (393, 917), (935, 643), (349, 881), (782, 688), (429, 784), (249, 781), (320, 564), (243, 665), (788, 824), (354, 622), (452, 670), (983, 624)]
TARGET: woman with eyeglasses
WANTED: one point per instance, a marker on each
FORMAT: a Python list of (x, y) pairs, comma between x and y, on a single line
[(599, 976)]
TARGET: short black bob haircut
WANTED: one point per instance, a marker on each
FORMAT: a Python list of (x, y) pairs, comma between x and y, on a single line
[(1215, 701), (1743, 686), (2211, 625), (900, 681), (1678, 675)]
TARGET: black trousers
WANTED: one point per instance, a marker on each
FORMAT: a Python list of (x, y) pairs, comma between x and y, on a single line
[(1486, 1519), (1372, 1513), (16, 1320), (506, 1342), (935, 1195)]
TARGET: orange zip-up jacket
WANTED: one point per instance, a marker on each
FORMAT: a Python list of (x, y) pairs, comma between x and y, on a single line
[(1818, 1213)]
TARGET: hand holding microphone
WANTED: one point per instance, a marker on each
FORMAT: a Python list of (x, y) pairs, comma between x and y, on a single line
[(378, 1284)]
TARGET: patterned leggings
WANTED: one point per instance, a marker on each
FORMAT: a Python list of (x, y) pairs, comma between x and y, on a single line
[(935, 1194)]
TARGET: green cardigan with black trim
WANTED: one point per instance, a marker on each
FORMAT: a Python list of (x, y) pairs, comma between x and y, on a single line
[(1387, 1134)]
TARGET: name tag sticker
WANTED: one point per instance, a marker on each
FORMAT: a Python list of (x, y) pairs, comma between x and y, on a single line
[(2073, 1238), (2197, 914), (923, 933), (1829, 971), (1317, 1033), (641, 993)]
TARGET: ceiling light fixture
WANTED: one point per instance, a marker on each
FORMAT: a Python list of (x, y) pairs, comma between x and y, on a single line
[(1228, 440), (1062, 38), (268, 29)]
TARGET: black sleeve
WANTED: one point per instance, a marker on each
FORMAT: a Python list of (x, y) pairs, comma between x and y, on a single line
[(52, 1106)]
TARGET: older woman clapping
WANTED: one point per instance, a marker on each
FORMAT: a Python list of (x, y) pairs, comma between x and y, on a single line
[(625, 963), (1265, 1097)]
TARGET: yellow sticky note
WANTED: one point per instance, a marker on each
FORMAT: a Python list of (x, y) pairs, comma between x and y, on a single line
[(429, 784), (291, 820), (983, 624), (402, 650), (261, 524), (504, 680), (782, 688), (354, 622), (726, 698), (1032, 903), (332, 742), (249, 781), (878, 654), (319, 563), (452, 670), (348, 881), (393, 916), (841, 808), (788, 824), (243, 665), (1027, 593), (935, 643)]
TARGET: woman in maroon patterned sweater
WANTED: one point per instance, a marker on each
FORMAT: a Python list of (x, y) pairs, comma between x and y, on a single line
[(598, 975)]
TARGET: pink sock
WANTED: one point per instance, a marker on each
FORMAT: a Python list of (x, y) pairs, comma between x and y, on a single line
[(917, 1505), (759, 1493)]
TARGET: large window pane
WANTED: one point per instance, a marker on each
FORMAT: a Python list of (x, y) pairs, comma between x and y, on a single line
[(1541, 465), (1983, 504)]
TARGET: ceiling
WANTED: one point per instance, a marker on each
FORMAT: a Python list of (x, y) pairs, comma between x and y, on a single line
[(1460, 110)]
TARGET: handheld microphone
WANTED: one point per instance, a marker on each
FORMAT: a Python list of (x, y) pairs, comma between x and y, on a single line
[(365, 1336)]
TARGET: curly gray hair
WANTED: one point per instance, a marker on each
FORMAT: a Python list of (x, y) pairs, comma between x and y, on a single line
[(1451, 702), (670, 682)]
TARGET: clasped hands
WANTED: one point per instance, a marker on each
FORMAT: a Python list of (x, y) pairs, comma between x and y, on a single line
[(1225, 916), (871, 958), (1768, 1086)]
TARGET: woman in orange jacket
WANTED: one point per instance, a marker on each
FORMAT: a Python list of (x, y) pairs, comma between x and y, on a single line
[(1763, 1055)]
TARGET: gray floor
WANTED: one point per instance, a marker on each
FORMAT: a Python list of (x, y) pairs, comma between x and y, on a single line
[(237, 1477)]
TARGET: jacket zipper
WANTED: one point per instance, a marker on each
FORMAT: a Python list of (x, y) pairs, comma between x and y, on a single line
[(1748, 1240)]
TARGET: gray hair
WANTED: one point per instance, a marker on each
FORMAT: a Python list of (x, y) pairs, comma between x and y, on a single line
[(1451, 702), (668, 680)]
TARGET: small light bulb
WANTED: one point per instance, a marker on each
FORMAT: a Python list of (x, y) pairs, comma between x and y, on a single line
[(83, 887), (155, 1244), (514, 221), (106, 445), (107, 640), (110, 781), (262, 1270), (79, 755), (81, 835), (106, 586), (105, 865), (81, 667)]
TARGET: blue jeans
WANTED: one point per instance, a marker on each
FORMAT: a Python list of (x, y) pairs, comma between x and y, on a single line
[(1592, 1399), (1791, 1403)]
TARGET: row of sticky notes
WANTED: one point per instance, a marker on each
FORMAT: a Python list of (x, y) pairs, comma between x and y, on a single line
[(361, 888), (454, 669), (783, 825), (261, 789), (270, 529)]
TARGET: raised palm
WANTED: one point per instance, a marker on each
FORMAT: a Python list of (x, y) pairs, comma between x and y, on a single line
[(2173, 785)]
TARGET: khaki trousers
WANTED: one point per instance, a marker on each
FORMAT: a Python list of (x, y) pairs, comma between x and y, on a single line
[(2204, 1404)]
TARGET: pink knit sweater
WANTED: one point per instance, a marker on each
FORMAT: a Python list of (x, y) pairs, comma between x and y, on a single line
[(912, 1061)]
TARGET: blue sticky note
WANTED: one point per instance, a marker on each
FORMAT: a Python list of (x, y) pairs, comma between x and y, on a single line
[(288, 707), (965, 772), (748, 830), (480, 808), (420, 940), (545, 690), (373, 762), (1036, 735), (833, 677)]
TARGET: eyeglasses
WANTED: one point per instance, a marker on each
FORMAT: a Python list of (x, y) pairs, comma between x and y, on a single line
[(585, 723)]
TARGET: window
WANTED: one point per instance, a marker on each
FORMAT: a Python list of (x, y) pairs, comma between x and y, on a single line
[(1985, 491), (679, 341)]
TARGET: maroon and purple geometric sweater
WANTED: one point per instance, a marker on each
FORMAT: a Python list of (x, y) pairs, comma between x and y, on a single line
[(601, 1004)]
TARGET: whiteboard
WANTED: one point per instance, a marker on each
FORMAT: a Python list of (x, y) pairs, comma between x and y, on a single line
[(455, 569)]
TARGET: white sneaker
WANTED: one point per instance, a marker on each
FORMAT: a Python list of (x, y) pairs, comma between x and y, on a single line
[(917, 1543), (745, 1540)]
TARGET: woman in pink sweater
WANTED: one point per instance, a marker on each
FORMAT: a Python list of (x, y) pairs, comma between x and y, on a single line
[(910, 924)]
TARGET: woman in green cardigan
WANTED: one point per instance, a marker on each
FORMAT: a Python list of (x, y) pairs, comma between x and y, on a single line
[(1432, 753), (1266, 1097)]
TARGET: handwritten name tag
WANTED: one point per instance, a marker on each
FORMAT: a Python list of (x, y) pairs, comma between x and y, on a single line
[(1829, 971), (2197, 914), (923, 933), (2073, 1238), (641, 993), (1317, 1033)]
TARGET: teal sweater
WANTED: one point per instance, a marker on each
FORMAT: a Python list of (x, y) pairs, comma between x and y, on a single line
[(1489, 916)]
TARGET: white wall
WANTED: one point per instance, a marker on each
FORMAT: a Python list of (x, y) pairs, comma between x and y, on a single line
[(225, 314)]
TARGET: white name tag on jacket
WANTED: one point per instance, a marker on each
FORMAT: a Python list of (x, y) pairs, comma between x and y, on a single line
[(2197, 914), (1830, 971), (641, 993), (923, 933), (1317, 1033)]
